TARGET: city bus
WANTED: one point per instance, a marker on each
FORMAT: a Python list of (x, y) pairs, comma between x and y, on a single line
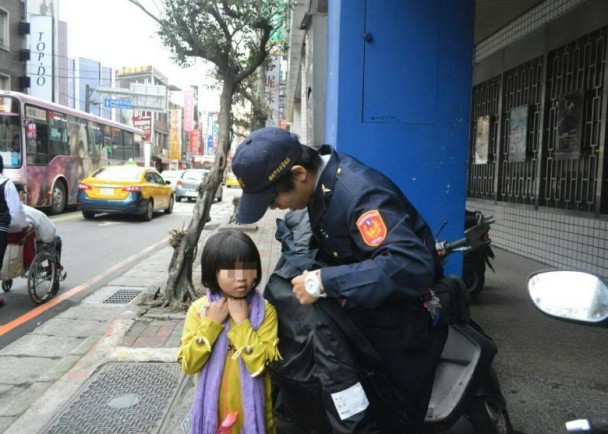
[(50, 148)]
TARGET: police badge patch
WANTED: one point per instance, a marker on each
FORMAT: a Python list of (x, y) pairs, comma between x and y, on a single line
[(372, 228)]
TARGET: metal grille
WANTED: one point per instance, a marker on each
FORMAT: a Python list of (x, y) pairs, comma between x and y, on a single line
[(120, 398), (522, 87), (571, 183), (485, 101), (123, 296), (547, 175)]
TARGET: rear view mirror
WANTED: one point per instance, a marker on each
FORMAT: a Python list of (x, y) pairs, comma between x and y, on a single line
[(573, 295)]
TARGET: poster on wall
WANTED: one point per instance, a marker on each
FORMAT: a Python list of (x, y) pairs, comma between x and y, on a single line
[(482, 140), (518, 133), (569, 125)]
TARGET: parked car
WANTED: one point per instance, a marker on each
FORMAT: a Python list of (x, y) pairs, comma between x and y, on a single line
[(187, 186), (231, 180), (171, 176), (124, 190)]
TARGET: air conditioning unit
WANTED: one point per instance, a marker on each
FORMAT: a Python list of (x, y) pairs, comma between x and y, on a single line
[(24, 54), (24, 28), (24, 82)]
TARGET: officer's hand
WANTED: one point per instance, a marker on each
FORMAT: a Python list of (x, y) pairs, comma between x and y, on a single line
[(299, 290)]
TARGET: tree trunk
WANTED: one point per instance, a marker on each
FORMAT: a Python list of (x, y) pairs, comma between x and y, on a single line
[(180, 289)]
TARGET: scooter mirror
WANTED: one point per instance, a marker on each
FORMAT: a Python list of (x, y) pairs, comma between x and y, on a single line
[(573, 295)]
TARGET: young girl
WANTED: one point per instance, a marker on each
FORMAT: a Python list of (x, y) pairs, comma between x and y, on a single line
[(228, 337)]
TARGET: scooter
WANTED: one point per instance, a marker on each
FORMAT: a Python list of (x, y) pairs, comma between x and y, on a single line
[(575, 296), (475, 246)]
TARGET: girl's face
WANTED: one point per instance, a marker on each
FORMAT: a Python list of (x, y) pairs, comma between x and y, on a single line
[(237, 282)]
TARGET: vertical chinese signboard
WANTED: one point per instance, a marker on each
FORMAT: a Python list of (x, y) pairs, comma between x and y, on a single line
[(195, 135), (189, 109), (272, 90), (175, 135), (209, 134)]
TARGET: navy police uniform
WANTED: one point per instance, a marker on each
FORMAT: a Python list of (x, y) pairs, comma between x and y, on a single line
[(379, 258)]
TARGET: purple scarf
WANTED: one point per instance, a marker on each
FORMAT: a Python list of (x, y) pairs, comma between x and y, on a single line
[(205, 409)]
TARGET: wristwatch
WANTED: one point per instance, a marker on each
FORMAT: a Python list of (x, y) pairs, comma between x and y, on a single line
[(312, 284)]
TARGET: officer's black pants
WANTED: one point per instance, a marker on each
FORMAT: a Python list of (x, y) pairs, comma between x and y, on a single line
[(410, 373)]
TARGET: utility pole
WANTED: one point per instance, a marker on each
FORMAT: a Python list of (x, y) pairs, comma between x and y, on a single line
[(87, 98)]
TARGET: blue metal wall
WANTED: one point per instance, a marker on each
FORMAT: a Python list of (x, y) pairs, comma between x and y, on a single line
[(398, 96)]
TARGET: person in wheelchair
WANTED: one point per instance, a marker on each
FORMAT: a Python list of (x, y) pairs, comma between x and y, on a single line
[(11, 213), (46, 231)]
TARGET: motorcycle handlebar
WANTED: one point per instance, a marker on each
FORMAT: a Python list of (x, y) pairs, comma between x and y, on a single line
[(475, 236), (450, 247)]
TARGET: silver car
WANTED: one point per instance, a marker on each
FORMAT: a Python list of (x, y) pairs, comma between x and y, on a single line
[(171, 176), (187, 186)]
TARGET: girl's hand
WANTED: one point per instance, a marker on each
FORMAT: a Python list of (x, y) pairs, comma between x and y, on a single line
[(239, 309), (216, 311)]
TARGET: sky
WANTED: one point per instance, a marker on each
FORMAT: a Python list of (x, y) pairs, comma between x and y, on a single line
[(119, 34)]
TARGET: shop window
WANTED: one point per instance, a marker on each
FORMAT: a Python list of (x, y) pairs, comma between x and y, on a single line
[(5, 82), (4, 41)]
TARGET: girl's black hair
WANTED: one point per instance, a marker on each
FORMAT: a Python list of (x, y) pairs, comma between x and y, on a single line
[(309, 160), (224, 249)]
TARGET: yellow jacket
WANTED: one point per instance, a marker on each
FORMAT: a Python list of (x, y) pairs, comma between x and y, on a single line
[(255, 347)]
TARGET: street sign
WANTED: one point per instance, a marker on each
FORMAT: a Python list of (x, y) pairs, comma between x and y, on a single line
[(117, 103)]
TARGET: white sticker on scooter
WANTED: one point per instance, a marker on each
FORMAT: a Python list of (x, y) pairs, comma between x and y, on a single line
[(350, 401)]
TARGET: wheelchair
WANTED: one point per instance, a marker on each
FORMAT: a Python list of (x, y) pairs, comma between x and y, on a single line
[(35, 260)]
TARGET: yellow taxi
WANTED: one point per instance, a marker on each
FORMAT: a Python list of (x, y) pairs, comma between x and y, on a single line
[(124, 189), (231, 180)]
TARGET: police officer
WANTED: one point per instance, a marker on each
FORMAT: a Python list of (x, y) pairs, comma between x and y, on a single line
[(378, 252)]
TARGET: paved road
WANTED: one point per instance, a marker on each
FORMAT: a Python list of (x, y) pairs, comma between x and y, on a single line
[(550, 370)]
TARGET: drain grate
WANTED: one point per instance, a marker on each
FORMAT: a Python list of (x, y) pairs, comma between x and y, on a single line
[(123, 296), (121, 398)]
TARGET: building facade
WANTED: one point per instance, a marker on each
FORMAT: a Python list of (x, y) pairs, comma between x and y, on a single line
[(535, 154), (13, 48), (159, 122)]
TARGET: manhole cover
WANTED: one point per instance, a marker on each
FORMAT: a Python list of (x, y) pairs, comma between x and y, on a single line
[(123, 296), (120, 398)]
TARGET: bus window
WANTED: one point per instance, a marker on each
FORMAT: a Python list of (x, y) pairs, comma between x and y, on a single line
[(37, 136), (96, 144), (59, 133), (77, 139), (117, 146), (131, 148), (10, 141)]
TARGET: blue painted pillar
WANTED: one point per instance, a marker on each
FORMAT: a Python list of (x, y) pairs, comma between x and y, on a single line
[(398, 96)]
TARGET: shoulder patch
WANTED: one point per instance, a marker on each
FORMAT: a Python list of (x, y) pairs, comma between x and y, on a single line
[(372, 228)]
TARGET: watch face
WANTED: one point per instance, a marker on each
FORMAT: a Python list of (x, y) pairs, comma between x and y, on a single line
[(312, 285)]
